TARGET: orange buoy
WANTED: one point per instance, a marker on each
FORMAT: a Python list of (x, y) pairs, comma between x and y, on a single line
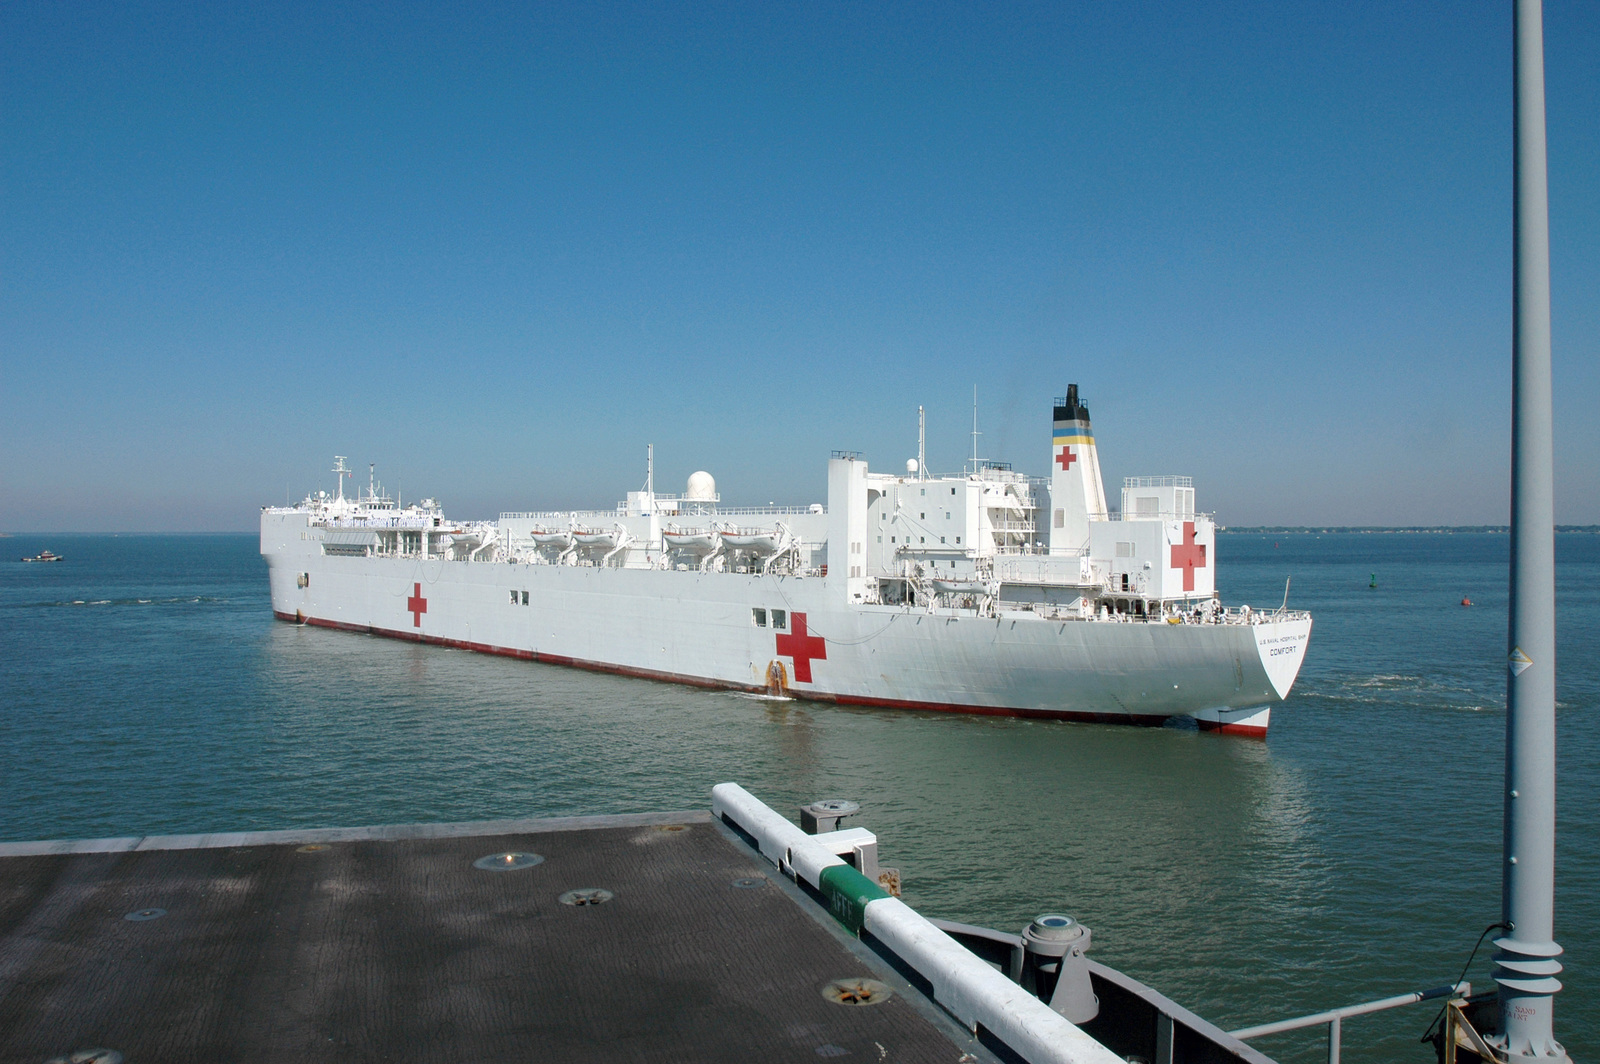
[(1466, 602)]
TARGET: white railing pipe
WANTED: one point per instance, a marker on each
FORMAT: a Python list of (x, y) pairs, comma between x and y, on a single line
[(1333, 1017)]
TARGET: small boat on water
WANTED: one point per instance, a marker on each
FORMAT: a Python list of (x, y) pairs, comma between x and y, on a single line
[(44, 556)]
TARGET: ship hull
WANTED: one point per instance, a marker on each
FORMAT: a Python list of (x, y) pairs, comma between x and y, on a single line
[(701, 629)]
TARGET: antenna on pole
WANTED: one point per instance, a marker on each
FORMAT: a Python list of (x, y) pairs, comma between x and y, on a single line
[(975, 432), (650, 469), (1526, 965), (922, 444), (343, 470)]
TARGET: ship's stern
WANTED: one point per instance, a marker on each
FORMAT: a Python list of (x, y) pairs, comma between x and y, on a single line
[(1280, 650)]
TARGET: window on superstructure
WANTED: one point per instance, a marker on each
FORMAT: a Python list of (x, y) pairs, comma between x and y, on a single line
[(759, 617), (524, 598), (780, 619), (513, 598), (952, 491)]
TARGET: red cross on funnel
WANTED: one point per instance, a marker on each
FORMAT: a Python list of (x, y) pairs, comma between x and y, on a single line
[(1065, 459), (1188, 557), (802, 648), (418, 606)]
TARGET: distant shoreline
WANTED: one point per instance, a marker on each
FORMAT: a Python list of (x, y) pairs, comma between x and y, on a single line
[(1267, 530), (1446, 530)]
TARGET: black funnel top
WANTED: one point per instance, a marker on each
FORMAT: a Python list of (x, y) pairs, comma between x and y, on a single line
[(1069, 409)]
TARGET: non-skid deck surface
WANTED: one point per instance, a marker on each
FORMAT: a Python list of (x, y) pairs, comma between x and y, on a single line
[(398, 949)]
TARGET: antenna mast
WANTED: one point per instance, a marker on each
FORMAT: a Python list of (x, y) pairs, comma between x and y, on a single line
[(922, 444), (343, 470), (975, 432), (650, 469)]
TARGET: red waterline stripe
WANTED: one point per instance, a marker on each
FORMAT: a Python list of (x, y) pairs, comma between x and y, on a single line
[(1251, 731), (1144, 720)]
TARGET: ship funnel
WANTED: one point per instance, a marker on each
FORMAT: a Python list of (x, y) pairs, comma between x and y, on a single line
[(1077, 494)]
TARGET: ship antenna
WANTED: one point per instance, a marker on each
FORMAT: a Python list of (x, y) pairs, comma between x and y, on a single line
[(975, 432), (922, 444), (1526, 965), (343, 470), (650, 469), (372, 482)]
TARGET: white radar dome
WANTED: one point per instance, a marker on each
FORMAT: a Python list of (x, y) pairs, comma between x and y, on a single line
[(911, 465), (702, 487)]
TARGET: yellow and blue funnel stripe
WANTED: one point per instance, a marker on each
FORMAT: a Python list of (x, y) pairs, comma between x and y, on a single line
[(1072, 432)]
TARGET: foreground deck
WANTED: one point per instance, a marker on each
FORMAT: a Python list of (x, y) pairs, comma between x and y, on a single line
[(391, 944)]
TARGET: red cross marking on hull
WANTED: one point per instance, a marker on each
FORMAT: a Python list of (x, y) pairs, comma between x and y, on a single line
[(417, 605), (1188, 557), (802, 648), (1065, 459)]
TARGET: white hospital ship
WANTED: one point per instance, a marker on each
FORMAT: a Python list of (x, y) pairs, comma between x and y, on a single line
[(983, 592)]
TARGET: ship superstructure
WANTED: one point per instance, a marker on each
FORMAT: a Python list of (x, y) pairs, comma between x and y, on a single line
[(986, 591)]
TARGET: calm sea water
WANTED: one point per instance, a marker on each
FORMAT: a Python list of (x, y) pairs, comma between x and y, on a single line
[(1353, 855)]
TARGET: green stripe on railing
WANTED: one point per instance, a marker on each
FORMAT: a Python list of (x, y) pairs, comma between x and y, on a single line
[(848, 893)]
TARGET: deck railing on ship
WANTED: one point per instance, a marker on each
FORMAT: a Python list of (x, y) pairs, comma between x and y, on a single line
[(696, 510)]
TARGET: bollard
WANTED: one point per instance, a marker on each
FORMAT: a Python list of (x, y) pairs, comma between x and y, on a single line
[(1055, 946), (824, 816)]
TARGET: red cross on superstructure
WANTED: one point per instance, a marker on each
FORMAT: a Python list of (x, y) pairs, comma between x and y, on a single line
[(1188, 557), (418, 606), (1065, 459), (802, 648)]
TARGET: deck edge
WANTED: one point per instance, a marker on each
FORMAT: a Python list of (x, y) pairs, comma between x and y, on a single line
[(378, 833)]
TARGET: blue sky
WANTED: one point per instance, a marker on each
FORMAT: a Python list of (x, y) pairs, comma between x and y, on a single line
[(497, 251)]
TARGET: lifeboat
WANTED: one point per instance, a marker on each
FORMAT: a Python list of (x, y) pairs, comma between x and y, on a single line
[(595, 539), (552, 539), (691, 542), (757, 541)]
